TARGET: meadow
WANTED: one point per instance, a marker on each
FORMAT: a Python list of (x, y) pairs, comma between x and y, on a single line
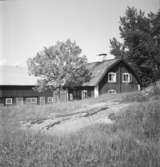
[(133, 140)]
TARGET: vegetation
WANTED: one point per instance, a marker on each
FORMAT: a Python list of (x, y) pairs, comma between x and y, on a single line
[(59, 65), (140, 33), (133, 139)]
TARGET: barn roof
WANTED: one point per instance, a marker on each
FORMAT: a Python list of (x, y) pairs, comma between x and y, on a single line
[(15, 75)]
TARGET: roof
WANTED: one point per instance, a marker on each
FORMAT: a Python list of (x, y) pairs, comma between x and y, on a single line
[(15, 75), (98, 70)]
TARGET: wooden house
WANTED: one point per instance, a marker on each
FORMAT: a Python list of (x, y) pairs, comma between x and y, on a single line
[(109, 76)]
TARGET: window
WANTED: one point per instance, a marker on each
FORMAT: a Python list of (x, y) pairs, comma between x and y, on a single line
[(50, 99), (126, 77), (19, 100), (8, 101), (42, 100), (112, 91), (111, 77), (31, 100)]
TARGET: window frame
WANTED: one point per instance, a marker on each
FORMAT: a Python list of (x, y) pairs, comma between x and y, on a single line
[(42, 100), (129, 77), (115, 77), (31, 100), (115, 91), (19, 100), (50, 101), (8, 98)]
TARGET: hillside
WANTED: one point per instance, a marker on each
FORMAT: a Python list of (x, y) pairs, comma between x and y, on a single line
[(112, 130), (72, 121)]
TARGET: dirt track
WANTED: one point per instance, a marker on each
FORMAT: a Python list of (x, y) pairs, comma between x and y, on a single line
[(74, 121)]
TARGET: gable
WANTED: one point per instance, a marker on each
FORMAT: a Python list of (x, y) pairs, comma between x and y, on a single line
[(122, 67), (100, 69)]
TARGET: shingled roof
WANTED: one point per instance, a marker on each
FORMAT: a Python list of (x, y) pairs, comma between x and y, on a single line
[(12, 75), (98, 70)]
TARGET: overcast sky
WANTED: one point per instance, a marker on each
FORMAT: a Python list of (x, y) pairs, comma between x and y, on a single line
[(26, 26)]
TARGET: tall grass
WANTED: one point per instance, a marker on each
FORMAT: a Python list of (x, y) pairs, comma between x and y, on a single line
[(132, 141), (150, 93), (92, 147)]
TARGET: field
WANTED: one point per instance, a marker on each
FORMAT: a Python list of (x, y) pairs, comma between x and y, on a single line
[(131, 140)]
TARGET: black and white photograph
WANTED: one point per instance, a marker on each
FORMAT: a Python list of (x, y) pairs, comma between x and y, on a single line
[(79, 83)]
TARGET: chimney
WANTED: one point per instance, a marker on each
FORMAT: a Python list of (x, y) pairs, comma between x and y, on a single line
[(103, 55)]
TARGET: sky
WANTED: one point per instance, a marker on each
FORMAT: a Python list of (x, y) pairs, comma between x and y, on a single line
[(26, 26)]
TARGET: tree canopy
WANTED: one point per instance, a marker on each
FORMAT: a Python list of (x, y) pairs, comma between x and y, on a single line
[(60, 65), (140, 33)]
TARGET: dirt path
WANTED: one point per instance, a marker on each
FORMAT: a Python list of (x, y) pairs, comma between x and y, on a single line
[(72, 122)]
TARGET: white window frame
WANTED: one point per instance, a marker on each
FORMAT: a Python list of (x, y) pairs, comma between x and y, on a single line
[(19, 100), (32, 100), (114, 77), (129, 77), (112, 91), (9, 99), (50, 99), (42, 100)]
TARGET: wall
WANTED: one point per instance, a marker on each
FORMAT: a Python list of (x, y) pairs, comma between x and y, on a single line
[(104, 86), (77, 92), (27, 91)]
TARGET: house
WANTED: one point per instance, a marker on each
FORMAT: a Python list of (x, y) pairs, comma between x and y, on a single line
[(108, 76)]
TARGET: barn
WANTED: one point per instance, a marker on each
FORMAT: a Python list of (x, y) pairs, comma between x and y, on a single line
[(108, 76), (17, 87)]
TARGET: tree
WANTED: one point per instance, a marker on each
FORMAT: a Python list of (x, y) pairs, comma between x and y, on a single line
[(117, 48), (141, 43), (59, 66)]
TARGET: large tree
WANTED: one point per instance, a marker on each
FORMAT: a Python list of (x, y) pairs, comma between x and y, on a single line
[(140, 33), (59, 65)]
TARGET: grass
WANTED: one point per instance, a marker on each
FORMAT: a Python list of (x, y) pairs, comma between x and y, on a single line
[(132, 141)]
